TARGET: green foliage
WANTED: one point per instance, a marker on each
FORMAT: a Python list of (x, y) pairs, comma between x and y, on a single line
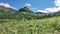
[(41, 26), (26, 22), (17, 15), (6, 14), (25, 13)]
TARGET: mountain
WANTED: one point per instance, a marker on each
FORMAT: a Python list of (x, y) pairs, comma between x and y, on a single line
[(25, 13), (40, 13), (25, 9), (6, 12), (7, 9)]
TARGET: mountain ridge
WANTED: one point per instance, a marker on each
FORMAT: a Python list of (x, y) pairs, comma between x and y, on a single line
[(7, 8), (25, 13)]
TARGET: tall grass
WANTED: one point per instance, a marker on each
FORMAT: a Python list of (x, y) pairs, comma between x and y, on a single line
[(40, 26)]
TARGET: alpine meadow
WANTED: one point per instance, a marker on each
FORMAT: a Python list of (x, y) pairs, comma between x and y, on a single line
[(26, 21)]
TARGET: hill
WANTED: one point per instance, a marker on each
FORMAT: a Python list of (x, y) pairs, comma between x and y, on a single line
[(24, 13), (25, 21), (7, 9)]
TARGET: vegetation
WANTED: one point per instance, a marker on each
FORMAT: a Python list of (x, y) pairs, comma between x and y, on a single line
[(41, 26), (26, 22), (25, 13)]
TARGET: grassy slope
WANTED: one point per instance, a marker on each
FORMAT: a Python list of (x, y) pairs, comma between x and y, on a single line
[(41, 26)]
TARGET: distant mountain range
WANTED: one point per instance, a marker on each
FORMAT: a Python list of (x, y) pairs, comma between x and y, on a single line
[(23, 9), (7, 9), (24, 13)]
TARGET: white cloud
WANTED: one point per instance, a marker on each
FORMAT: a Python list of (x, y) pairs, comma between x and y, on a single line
[(6, 5), (44, 11), (57, 3), (28, 5), (53, 9)]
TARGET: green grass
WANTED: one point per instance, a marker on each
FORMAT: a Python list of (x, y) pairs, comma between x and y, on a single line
[(37, 26)]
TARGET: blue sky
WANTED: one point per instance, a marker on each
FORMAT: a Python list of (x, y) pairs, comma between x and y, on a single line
[(39, 4), (34, 4)]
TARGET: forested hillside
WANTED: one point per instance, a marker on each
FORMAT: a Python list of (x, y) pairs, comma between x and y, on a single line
[(25, 21), (25, 13)]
